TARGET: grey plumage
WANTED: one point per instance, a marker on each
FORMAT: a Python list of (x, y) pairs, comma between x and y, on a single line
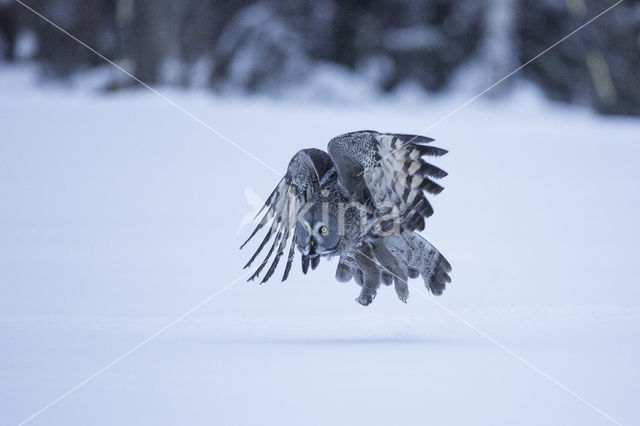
[(363, 201)]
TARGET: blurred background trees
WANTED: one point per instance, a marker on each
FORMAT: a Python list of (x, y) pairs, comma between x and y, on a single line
[(270, 45)]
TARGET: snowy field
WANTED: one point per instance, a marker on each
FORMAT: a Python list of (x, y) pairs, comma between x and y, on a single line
[(121, 213)]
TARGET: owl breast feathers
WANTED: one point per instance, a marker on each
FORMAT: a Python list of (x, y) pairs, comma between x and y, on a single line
[(365, 201)]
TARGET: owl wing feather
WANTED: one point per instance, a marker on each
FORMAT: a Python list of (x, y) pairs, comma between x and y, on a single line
[(386, 172), (295, 189)]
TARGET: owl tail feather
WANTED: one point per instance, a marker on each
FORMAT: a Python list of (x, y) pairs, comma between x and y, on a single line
[(417, 254)]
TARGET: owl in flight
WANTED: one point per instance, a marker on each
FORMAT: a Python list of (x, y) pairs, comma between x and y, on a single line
[(364, 201)]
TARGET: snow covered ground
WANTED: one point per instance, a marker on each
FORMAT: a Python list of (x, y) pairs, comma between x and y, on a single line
[(119, 214)]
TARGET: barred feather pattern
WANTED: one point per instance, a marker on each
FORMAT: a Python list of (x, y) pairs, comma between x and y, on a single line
[(400, 179), (416, 253), (281, 214)]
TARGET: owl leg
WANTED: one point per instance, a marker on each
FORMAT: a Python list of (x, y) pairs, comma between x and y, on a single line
[(371, 274), (390, 264)]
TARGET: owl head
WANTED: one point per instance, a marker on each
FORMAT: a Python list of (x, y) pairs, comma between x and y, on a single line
[(317, 232)]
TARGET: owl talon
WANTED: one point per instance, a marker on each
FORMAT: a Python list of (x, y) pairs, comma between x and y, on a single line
[(365, 299), (402, 290), (403, 296)]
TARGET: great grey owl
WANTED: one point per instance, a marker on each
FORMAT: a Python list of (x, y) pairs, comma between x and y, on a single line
[(363, 201)]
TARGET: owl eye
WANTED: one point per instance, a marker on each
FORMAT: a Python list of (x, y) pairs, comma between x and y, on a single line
[(323, 230)]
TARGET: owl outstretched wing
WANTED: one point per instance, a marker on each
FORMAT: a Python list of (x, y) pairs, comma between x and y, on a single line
[(387, 173), (304, 174)]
